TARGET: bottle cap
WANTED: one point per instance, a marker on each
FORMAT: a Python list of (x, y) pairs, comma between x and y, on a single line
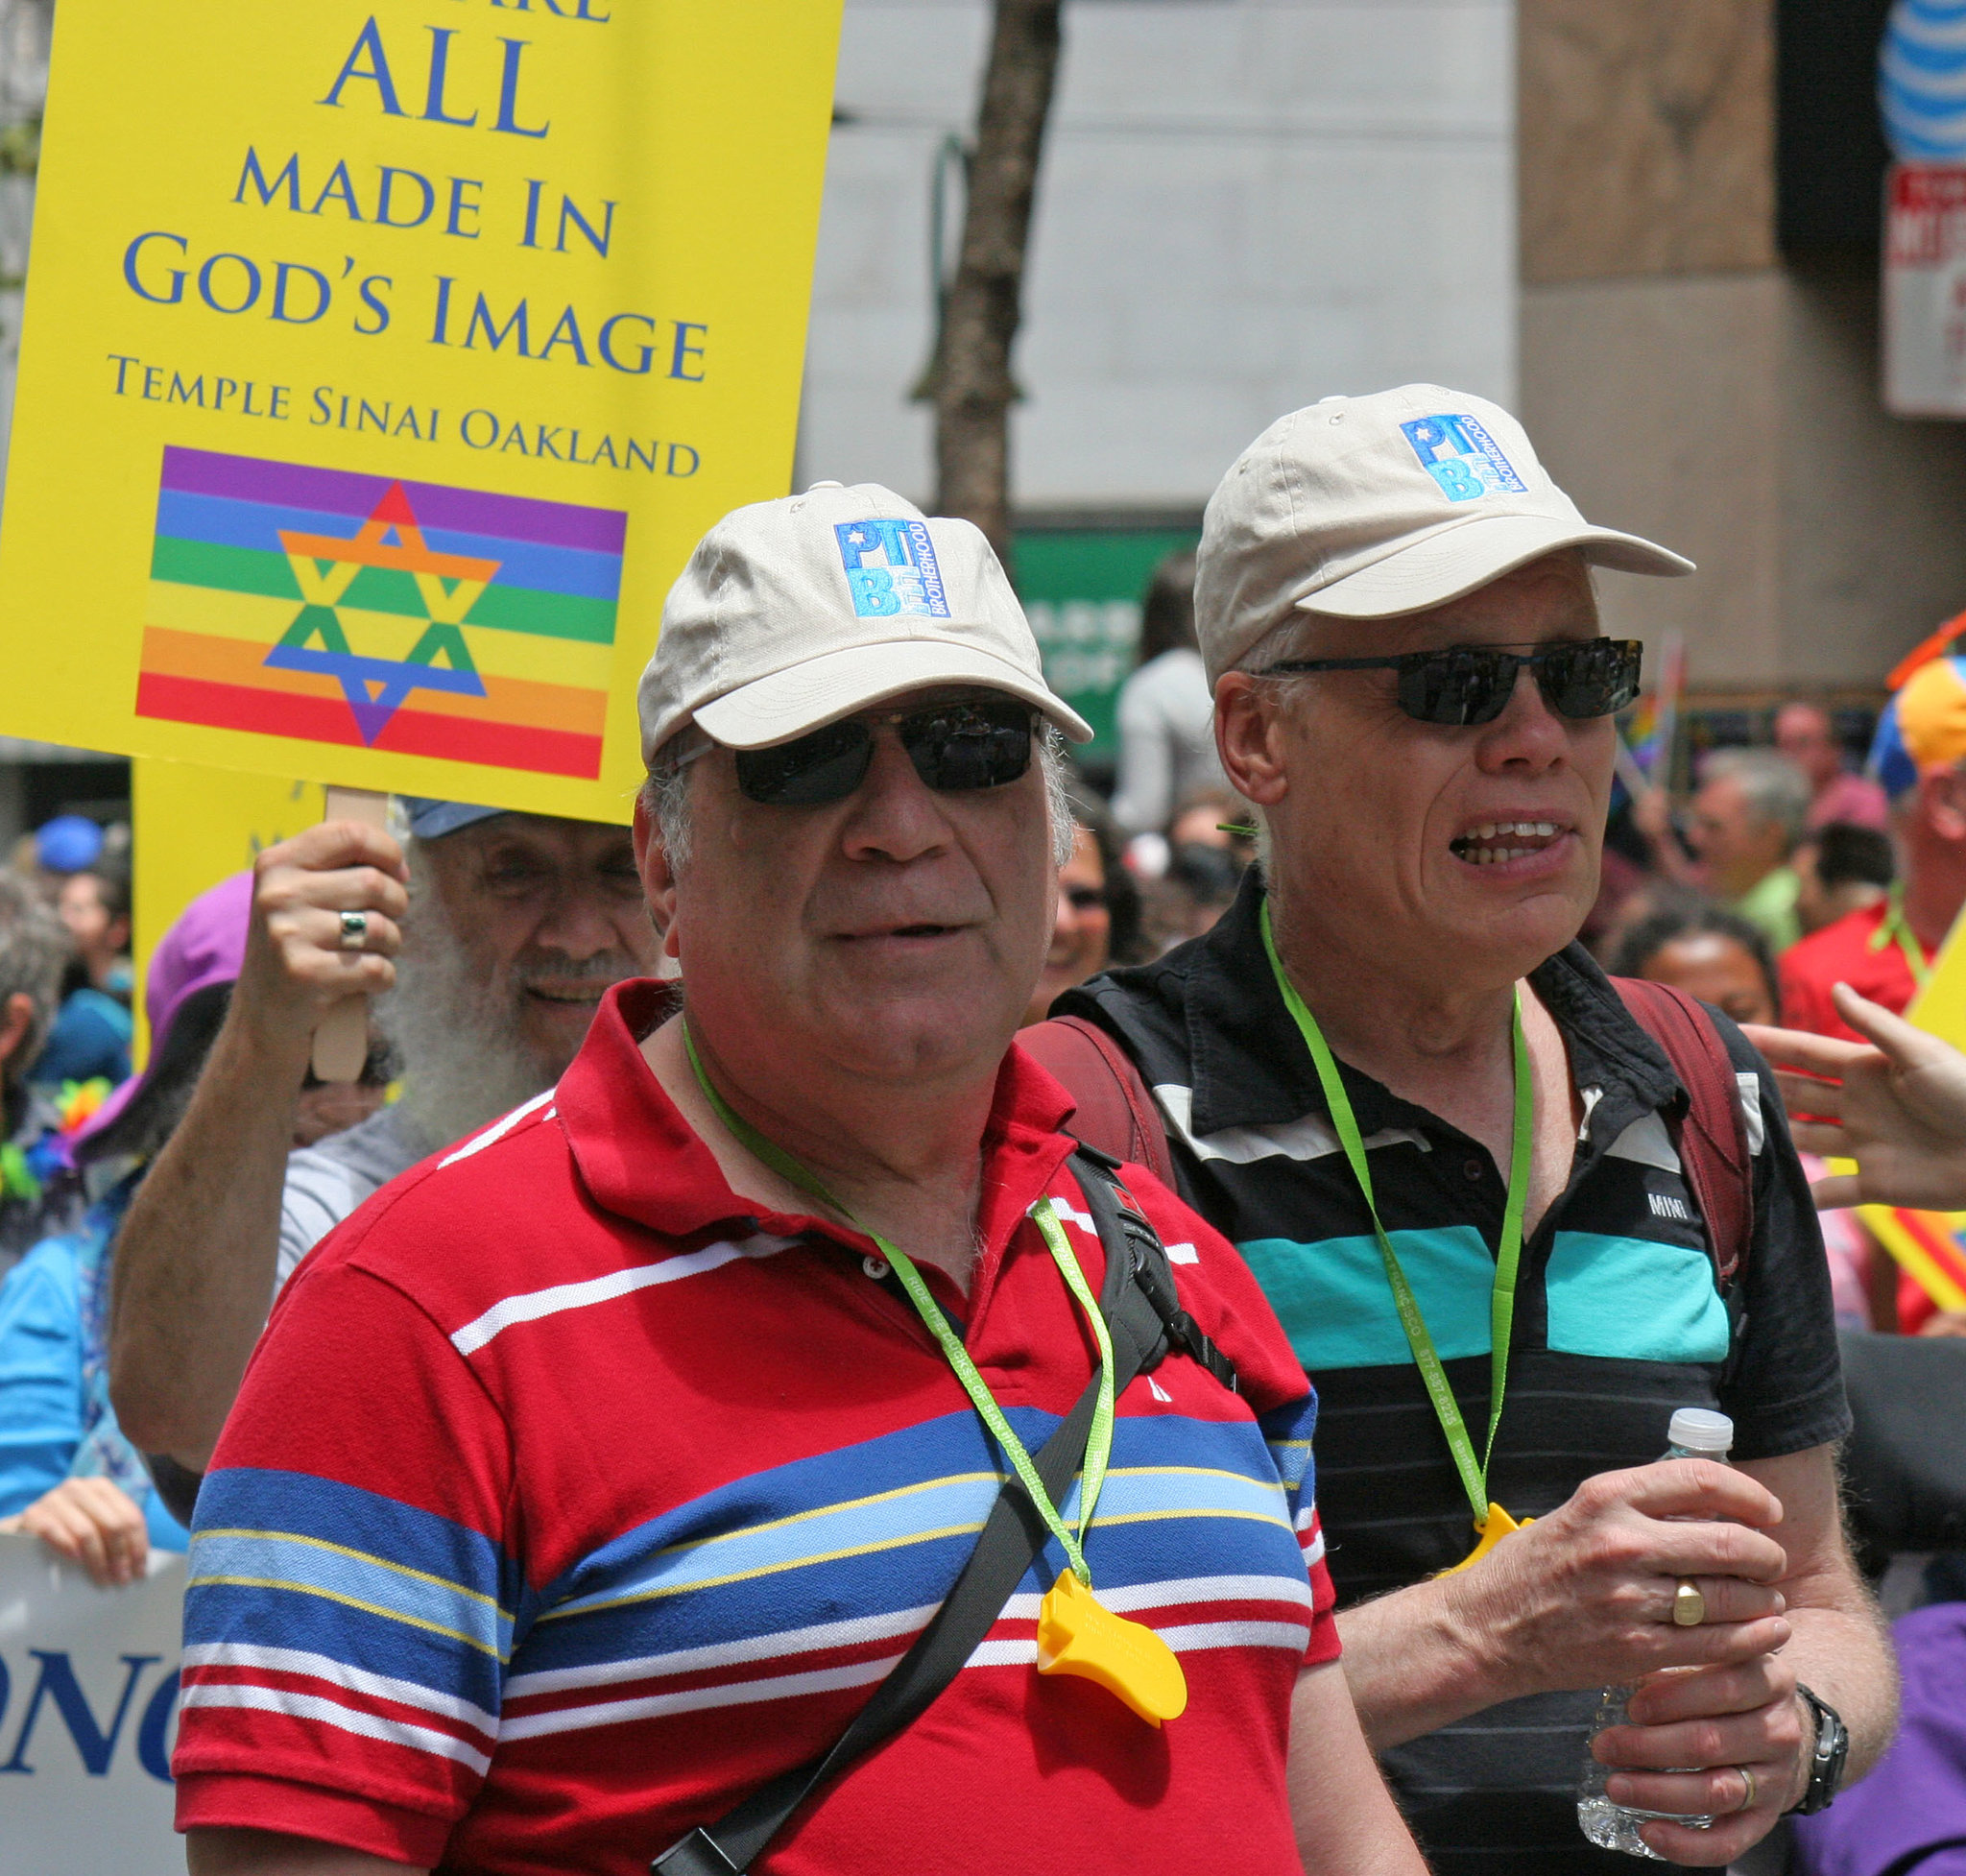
[(1700, 1429)]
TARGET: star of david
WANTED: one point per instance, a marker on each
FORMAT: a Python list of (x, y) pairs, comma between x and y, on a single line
[(325, 566)]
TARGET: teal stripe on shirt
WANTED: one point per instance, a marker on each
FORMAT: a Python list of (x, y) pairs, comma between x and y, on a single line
[(1633, 1300), (1336, 1307)]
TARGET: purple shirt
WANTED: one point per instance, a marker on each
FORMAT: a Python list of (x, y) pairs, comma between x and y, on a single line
[(1909, 1815)]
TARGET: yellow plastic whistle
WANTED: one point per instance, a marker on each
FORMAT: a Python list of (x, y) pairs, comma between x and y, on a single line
[(1077, 1635), (1492, 1529)]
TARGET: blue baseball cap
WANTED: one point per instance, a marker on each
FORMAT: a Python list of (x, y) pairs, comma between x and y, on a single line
[(432, 820), (68, 843)]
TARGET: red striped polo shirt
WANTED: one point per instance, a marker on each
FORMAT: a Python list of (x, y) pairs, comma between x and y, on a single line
[(570, 1498)]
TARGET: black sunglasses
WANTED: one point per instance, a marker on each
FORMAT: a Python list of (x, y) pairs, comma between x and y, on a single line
[(954, 747), (1472, 683)]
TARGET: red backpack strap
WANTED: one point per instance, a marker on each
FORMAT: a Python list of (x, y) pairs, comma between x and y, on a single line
[(1713, 1136), (1115, 1113)]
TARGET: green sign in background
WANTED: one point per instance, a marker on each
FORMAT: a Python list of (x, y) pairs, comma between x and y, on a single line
[(1082, 588)]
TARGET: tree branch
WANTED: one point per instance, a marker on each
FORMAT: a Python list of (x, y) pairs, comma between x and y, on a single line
[(973, 387)]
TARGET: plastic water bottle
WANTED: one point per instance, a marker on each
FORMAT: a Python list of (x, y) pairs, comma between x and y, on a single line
[(1695, 1433)]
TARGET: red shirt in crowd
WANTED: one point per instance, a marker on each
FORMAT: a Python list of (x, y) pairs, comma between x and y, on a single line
[(1850, 950), (569, 1499)]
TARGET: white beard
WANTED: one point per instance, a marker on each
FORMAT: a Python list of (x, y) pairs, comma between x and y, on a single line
[(456, 1034)]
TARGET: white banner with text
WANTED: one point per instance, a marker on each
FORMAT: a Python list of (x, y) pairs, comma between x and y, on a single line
[(88, 1696)]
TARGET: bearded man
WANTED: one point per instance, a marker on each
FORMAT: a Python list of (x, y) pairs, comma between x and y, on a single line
[(488, 941)]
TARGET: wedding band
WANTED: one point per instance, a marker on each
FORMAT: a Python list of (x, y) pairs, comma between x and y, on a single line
[(1688, 1605), (354, 930), (1747, 1778)]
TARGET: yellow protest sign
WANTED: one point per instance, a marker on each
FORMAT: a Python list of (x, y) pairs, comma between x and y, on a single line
[(194, 827), (382, 361), (1939, 1008)]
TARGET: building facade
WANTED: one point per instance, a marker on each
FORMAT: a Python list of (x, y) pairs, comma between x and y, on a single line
[(1651, 226), (1701, 187)]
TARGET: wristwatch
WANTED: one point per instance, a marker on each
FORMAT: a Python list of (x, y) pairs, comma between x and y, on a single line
[(1831, 1750)]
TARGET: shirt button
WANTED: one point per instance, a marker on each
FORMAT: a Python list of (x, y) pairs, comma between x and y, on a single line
[(1472, 1168), (876, 1268)]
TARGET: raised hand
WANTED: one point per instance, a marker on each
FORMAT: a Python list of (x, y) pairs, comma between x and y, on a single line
[(1896, 1105)]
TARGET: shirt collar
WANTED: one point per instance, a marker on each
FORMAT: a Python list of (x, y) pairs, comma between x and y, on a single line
[(1249, 1063), (641, 1160), (1251, 1067)]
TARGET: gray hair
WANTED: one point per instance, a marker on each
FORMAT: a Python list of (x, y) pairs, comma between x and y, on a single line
[(1777, 792), (665, 793), (1282, 640), (34, 953), (1053, 763)]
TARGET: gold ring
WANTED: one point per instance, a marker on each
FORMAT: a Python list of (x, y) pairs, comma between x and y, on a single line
[(1688, 1605), (1747, 1778)]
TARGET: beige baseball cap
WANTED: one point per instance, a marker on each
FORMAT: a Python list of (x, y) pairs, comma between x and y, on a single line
[(791, 614), (1372, 507)]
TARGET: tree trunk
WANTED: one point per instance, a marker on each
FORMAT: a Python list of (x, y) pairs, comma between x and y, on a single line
[(979, 322)]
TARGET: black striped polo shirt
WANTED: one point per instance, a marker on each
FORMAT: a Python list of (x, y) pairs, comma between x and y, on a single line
[(1618, 1316)]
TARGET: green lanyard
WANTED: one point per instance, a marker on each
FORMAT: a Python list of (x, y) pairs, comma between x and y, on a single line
[(1501, 1305), (1896, 927), (1098, 1440)]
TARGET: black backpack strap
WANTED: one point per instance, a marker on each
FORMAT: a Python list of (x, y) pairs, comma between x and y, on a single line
[(1164, 1322), (1013, 1535)]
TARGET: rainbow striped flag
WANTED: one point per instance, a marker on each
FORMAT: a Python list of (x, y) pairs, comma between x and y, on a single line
[(400, 616), (1641, 731), (1926, 1245)]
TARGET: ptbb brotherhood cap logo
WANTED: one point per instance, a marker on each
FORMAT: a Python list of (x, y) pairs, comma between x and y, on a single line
[(891, 569), (1462, 458)]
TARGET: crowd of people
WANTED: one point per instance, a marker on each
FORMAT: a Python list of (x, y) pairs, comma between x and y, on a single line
[(1219, 1430)]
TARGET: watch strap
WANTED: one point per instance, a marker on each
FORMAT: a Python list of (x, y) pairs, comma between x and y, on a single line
[(1830, 1754)]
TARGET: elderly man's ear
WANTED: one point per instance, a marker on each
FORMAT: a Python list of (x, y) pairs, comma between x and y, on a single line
[(657, 882), (1944, 801), (1249, 738)]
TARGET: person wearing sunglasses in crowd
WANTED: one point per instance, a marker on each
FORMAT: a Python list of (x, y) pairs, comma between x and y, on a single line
[(595, 1475), (1447, 1150)]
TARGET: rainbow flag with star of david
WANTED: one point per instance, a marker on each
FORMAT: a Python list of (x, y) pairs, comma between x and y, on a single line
[(401, 615)]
